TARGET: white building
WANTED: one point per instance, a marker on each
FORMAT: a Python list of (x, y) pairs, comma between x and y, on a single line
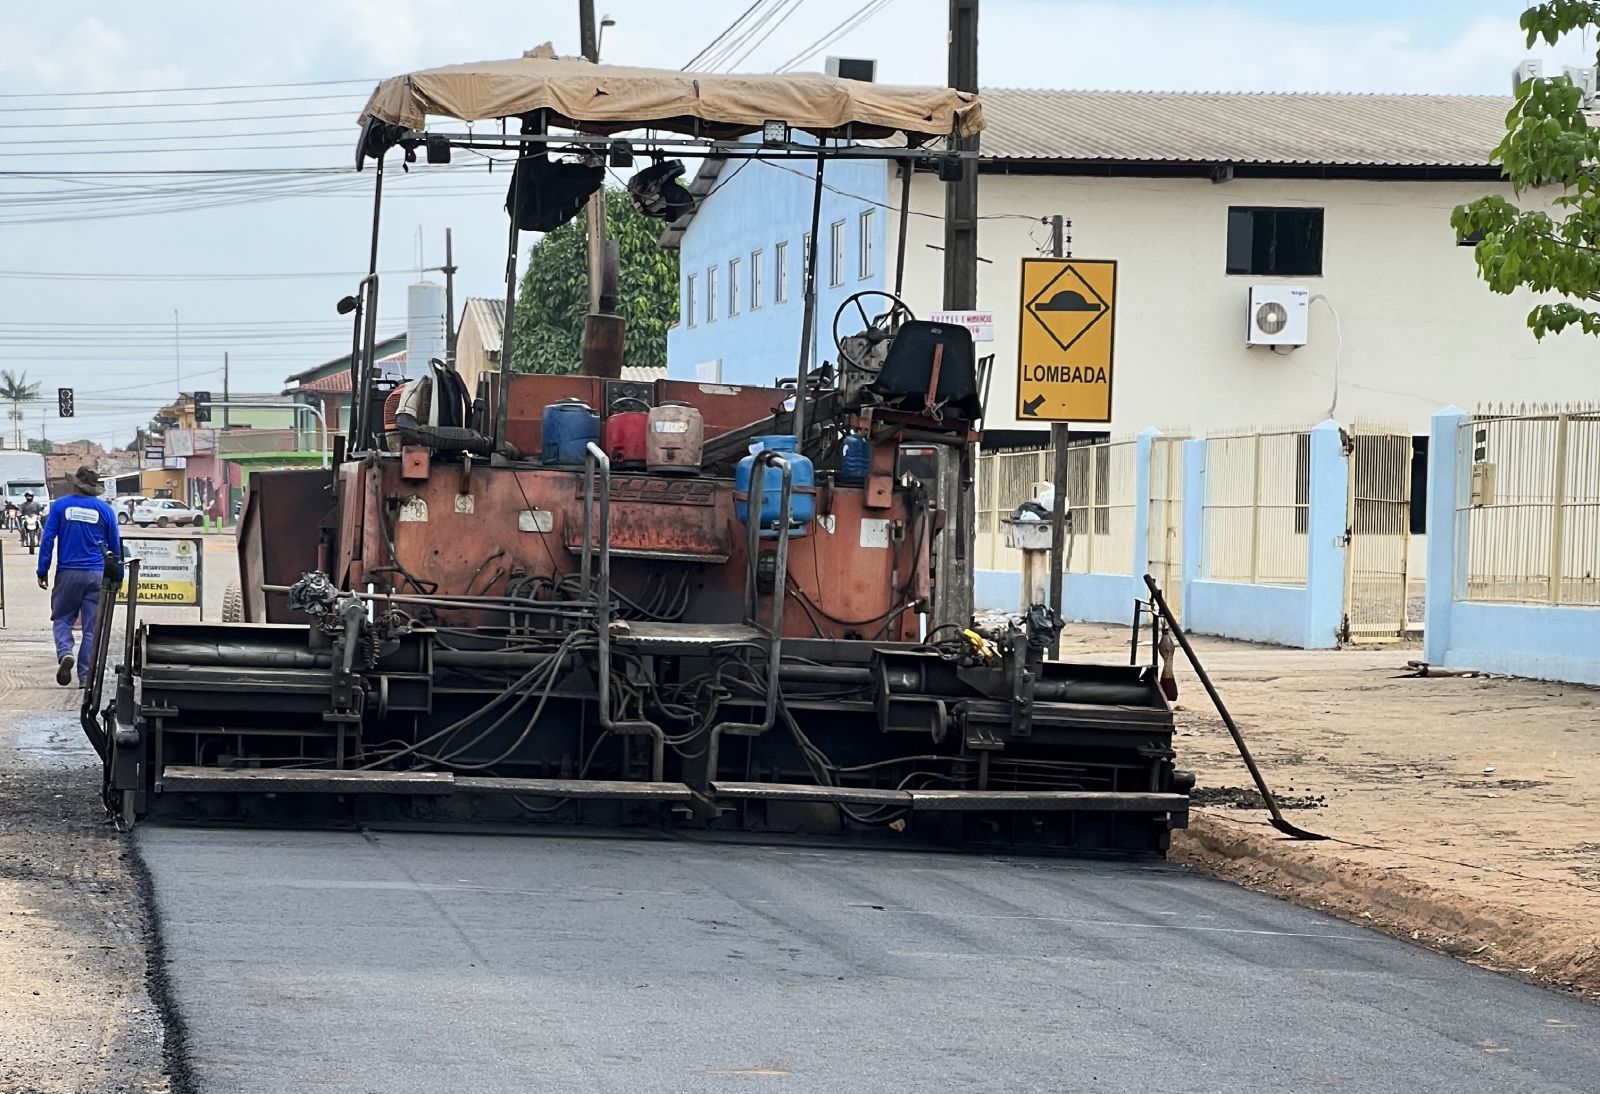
[(1198, 197)]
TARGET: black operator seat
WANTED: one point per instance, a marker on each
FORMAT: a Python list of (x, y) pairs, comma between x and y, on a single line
[(907, 371)]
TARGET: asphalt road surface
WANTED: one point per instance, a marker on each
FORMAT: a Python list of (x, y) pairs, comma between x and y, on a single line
[(311, 961)]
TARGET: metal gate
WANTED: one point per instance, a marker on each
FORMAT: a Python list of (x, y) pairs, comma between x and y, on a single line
[(1375, 592), (1166, 519)]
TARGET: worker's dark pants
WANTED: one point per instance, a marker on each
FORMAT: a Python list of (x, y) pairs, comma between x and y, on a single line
[(75, 599)]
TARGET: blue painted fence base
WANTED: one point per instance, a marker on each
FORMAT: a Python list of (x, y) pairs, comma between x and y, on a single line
[(1543, 642)]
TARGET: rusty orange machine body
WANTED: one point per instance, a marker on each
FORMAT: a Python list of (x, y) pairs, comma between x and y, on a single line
[(417, 523)]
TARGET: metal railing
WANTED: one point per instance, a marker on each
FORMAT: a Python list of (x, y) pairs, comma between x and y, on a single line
[(1257, 508), (1528, 513), (1101, 484)]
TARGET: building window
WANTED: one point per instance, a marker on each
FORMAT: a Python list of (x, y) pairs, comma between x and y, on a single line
[(780, 273), (711, 295), (865, 258), (691, 300), (836, 254), (733, 286), (755, 280), (1275, 242), (1471, 239)]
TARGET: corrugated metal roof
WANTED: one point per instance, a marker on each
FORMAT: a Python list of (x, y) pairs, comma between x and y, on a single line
[(1243, 128), (644, 374), (489, 316)]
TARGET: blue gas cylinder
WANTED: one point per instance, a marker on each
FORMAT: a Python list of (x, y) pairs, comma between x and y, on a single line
[(855, 460), (802, 505), (566, 428)]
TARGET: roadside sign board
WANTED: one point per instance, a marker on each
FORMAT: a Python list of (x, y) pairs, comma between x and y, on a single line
[(980, 323), (1065, 339), (169, 570)]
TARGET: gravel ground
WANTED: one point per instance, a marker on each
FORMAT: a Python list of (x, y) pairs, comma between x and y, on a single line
[(75, 1014)]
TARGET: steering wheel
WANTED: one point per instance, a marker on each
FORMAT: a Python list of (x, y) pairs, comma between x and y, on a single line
[(874, 328)]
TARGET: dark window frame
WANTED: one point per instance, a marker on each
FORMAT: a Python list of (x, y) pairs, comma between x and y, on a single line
[(1270, 249)]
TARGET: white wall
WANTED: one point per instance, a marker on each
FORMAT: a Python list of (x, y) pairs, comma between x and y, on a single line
[(1420, 330)]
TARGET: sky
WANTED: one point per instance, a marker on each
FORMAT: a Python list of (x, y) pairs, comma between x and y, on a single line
[(125, 284)]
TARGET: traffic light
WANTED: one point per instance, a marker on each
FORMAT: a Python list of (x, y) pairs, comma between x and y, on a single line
[(202, 407), (64, 402)]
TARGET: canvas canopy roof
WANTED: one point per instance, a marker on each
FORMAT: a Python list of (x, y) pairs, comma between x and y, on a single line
[(607, 99)]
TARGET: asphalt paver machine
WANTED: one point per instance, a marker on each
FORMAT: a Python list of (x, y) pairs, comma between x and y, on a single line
[(579, 599)]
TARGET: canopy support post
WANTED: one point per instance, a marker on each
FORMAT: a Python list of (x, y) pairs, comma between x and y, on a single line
[(503, 377), (905, 219), (810, 309), (364, 354)]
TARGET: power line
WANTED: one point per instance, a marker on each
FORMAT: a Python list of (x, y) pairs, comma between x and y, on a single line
[(66, 275), (179, 121), (735, 62), (714, 61), (181, 137), (850, 22), (168, 106), (741, 17), (176, 90)]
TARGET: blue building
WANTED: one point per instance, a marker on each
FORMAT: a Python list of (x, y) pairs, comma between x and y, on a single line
[(743, 260)]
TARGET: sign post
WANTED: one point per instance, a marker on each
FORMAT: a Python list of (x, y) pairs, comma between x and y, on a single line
[(1066, 335), (171, 571)]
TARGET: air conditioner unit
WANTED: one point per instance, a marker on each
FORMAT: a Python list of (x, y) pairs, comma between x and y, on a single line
[(853, 68), (1278, 315), (1530, 69), (1583, 79)]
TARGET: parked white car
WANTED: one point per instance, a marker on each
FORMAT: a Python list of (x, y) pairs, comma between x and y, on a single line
[(163, 512), (125, 504)]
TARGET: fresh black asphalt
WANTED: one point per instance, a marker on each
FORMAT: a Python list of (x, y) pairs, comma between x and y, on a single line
[(393, 962)]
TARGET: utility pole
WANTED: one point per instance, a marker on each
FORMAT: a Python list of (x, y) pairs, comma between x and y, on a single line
[(177, 354), (226, 422), (589, 43), (1060, 438), (961, 198), (954, 573), (449, 271)]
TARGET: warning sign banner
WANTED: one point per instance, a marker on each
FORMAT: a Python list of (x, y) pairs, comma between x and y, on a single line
[(1064, 353), (169, 570)]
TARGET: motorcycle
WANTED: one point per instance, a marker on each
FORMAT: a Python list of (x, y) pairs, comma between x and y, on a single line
[(30, 532)]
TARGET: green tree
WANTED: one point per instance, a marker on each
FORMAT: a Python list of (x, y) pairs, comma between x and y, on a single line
[(554, 295), (16, 390), (1551, 153)]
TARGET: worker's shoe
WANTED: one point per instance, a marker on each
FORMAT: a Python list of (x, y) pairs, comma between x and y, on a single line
[(64, 670)]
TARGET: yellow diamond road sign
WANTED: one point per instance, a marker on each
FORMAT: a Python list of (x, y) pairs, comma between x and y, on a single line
[(1069, 312)]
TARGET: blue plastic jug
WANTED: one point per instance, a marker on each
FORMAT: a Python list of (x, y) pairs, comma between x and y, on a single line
[(802, 505), (566, 428), (855, 460)]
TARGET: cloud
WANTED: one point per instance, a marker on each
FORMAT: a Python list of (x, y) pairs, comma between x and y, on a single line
[(90, 55)]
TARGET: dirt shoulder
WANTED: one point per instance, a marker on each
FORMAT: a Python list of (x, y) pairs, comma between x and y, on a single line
[(1461, 809), (74, 1012)]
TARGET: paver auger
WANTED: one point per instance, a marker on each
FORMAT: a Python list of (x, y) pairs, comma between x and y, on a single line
[(580, 599)]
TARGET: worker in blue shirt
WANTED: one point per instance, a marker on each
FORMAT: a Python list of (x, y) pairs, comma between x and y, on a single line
[(86, 529)]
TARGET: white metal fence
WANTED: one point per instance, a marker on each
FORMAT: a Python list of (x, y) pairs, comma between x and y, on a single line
[(1166, 519), (1257, 507), (1005, 481), (1530, 513), (1101, 484)]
